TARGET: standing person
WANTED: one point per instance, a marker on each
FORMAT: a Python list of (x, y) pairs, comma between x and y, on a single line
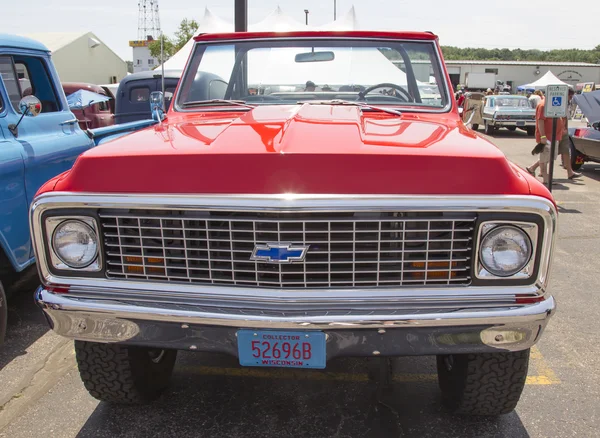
[(535, 99), (564, 147), (543, 134)]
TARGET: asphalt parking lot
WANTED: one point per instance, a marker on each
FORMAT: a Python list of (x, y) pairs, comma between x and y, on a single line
[(211, 396)]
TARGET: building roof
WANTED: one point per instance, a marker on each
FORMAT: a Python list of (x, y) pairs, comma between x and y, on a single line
[(55, 40), (7, 40), (531, 63)]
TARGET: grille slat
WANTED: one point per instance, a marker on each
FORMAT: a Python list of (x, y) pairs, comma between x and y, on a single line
[(346, 249)]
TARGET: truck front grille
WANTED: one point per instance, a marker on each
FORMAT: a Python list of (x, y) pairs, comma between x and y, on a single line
[(346, 249)]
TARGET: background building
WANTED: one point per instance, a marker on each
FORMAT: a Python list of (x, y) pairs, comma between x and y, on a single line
[(82, 57), (142, 60), (517, 73)]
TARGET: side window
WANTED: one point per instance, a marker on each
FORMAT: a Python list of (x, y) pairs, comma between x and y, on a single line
[(35, 80), (103, 106), (139, 94), (217, 89), (169, 92), (9, 77)]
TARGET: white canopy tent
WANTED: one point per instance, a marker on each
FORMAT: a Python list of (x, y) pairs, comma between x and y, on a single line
[(548, 79), (210, 23), (347, 22), (276, 21)]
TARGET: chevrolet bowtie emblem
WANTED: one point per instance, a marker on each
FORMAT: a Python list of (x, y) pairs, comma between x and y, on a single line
[(279, 253)]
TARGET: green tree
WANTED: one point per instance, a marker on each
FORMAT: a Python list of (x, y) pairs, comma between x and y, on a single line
[(558, 55), (168, 49), (187, 29)]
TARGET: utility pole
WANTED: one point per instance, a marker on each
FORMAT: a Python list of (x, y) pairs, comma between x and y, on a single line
[(334, 10), (241, 16), (306, 15)]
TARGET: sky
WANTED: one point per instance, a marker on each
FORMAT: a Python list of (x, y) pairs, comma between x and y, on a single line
[(526, 24)]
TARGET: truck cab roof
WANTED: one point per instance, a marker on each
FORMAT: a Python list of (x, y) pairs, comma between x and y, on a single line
[(20, 42)]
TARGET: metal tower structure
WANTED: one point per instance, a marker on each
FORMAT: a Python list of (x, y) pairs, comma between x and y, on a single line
[(148, 19)]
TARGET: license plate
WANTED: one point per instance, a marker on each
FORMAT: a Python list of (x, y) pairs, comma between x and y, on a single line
[(520, 123), (266, 348)]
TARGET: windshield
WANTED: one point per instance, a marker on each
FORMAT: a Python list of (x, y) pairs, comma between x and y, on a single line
[(513, 102), (272, 72)]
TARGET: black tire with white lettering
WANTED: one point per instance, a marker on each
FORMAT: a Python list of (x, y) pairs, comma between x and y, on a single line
[(577, 158), (484, 383), (126, 375)]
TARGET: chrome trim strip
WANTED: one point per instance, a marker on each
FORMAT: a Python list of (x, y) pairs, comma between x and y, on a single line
[(298, 203), (538, 312)]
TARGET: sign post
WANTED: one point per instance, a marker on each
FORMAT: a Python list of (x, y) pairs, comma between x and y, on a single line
[(557, 100)]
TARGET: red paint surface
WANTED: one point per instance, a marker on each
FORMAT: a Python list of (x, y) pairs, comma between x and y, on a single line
[(422, 36), (304, 149), (308, 149)]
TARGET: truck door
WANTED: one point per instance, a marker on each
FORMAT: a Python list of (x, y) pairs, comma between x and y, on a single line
[(52, 141), (14, 227)]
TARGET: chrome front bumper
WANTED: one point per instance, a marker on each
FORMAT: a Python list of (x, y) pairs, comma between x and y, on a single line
[(505, 123), (392, 333)]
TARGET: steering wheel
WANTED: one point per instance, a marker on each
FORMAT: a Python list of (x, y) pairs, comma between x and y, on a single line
[(402, 90)]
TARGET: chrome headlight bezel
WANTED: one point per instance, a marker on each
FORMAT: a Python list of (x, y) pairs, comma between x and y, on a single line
[(56, 262), (529, 270)]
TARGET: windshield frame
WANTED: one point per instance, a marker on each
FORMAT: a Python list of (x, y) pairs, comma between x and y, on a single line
[(439, 72)]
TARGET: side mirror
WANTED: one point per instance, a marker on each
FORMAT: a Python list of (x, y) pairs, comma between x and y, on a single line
[(30, 106), (157, 105)]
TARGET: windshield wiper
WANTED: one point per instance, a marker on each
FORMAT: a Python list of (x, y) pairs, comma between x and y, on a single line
[(217, 101), (349, 102)]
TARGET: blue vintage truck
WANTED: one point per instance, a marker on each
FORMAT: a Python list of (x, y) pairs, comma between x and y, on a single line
[(39, 139)]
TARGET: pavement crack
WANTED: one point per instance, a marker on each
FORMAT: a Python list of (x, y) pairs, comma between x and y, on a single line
[(55, 365)]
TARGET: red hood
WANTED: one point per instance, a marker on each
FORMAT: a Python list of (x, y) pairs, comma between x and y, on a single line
[(311, 149)]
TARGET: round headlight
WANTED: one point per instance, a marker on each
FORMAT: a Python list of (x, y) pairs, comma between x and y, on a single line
[(505, 250), (75, 243)]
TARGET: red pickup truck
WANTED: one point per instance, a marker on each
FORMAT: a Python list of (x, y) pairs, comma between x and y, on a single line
[(301, 201)]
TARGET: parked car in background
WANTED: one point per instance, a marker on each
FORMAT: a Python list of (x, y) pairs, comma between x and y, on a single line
[(39, 139), (508, 111), (97, 115), (288, 228), (134, 94), (585, 142)]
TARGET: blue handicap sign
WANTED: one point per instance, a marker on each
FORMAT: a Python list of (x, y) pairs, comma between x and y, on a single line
[(557, 101)]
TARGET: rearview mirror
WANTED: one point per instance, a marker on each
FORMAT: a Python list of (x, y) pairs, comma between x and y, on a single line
[(30, 106), (315, 57), (157, 107)]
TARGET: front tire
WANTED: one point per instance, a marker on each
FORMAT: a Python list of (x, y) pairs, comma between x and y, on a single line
[(489, 129), (127, 375), (475, 126), (483, 383)]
